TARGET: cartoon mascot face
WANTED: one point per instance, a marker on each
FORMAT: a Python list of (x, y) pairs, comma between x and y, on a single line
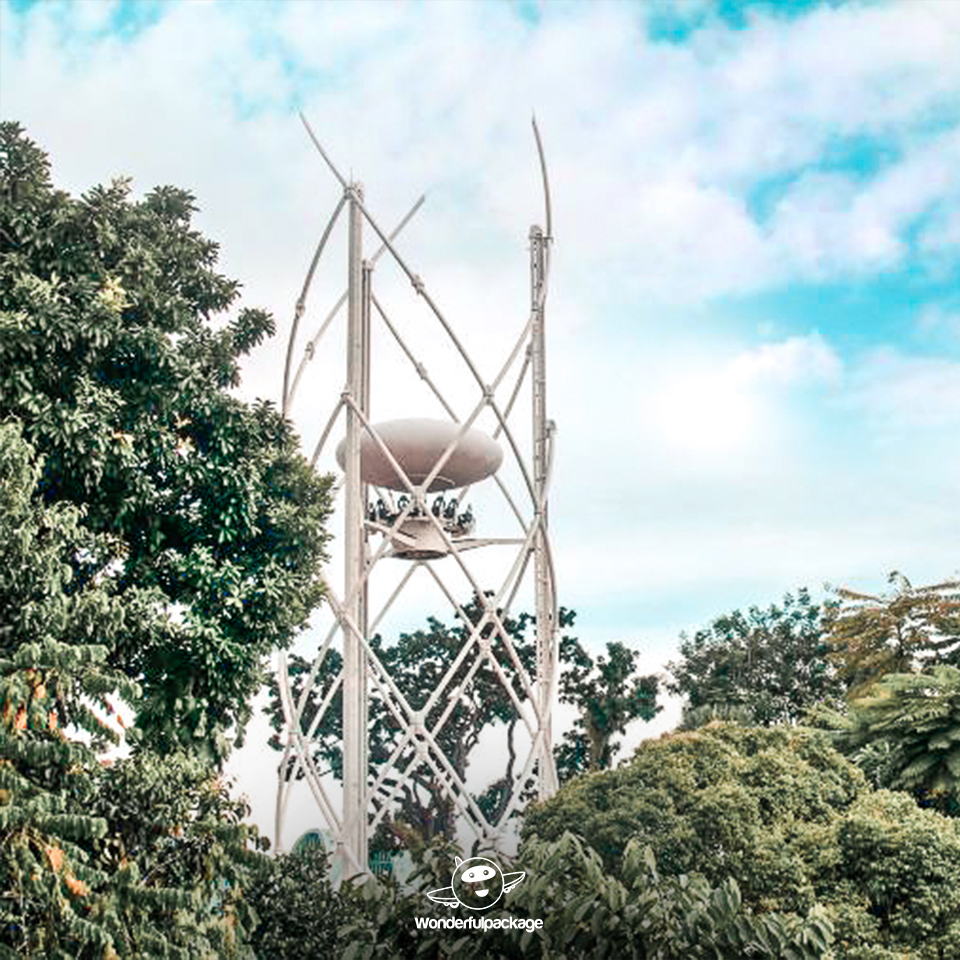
[(477, 884)]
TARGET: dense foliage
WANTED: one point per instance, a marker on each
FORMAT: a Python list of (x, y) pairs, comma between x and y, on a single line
[(586, 912), (158, 538), (908, 732), (298, 913), (763, 667), (609, 695), (51, 680), (97, 859), (790, 819), (113, 360)]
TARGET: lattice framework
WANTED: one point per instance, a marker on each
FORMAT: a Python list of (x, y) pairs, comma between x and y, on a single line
[(367, 797)]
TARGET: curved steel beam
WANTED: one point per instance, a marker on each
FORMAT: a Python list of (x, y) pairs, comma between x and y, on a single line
[(302, 300), (543, 173)]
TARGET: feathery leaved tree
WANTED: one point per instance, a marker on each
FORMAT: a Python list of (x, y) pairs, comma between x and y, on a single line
[(911, 629), (53, 675), (97, 859), (916, 717)]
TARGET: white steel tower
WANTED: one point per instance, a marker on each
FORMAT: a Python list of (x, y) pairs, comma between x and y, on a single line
[(394, 477)]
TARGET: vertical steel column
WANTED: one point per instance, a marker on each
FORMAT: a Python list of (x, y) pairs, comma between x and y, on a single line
[(352, 844), (365, 303), (546, 628)]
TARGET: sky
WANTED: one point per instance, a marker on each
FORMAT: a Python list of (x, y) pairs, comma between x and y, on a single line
[(753, 320)]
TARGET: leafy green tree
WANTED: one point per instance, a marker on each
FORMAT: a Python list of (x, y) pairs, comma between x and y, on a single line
[(764, 667), (105, 861), (53, 674), (783, 814), (158, 539), (177, 855), (607, 692), (916, 717), (298, 912), (904, 863), (609, 696), (116, 358), (703, 799), (911, 629)]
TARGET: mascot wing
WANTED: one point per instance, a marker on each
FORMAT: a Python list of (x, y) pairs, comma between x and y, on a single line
[(444, 895), (510, 880)]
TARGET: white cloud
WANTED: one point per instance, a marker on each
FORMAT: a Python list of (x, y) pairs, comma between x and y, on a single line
[(903, 394), (794, 360), (828, 224), (940, 235), (660, 142), (726, 415)]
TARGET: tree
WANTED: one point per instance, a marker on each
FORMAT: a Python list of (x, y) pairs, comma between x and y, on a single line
[(766, 667), (916, 716), (298, 911), (417, 663), (158, 538), (105, 861), (783, 814), (113, 358), (51, 681), (904, 864), (609, 697), (911, 629), (605, 690)]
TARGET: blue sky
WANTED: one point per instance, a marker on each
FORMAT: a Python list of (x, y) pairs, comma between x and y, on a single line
[(754, 315)]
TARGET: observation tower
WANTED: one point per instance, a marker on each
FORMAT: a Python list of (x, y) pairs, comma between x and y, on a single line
[(405, 492)]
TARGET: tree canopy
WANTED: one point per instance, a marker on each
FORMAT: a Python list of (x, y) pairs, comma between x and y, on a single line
[(115, 359), (50, 678), (584, 913), (785, 815), (158, 538), (97, 859), (609, 695), (912, 721), (908, 630), (763, 667)]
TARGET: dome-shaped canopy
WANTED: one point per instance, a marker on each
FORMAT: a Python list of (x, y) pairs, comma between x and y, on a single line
[(417, 445)]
